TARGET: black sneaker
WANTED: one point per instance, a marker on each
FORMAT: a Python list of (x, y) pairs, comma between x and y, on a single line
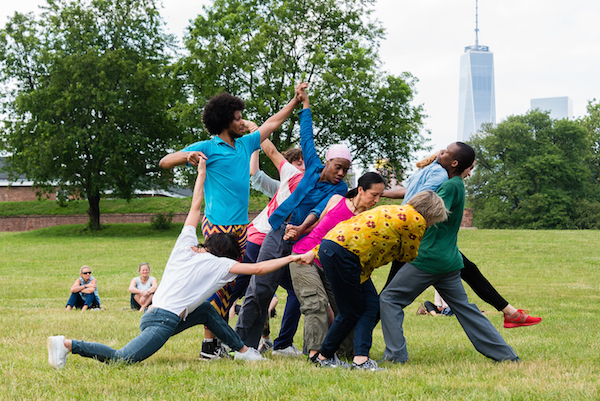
[(209, 350), (368, 365), (334, 362)]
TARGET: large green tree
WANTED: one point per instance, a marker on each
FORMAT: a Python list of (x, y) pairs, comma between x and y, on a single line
[(533, 172), (259, 51), (89, 97)]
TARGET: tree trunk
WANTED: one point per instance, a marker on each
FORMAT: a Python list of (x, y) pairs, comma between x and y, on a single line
[(94, 212)]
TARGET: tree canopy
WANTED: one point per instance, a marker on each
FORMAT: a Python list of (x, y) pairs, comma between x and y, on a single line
[(534, 172), (259, 51), (89, 97)]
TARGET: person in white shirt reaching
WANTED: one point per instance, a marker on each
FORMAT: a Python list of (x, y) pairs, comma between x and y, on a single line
[(194, 272)]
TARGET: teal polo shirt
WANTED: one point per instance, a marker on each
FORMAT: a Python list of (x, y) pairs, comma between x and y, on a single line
[(227, 184)]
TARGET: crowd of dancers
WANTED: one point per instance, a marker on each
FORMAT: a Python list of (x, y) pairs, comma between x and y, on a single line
[(317, 240)]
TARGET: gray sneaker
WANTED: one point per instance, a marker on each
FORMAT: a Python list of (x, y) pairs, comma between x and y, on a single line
[(334, 362), (251, 355), (288, 351), (368, 365), (57, 352)]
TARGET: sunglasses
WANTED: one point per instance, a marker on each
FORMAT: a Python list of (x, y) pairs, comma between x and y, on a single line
[(86, 272)]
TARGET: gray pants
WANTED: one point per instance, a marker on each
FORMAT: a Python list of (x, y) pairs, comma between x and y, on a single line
[(407, 285), (261, 289), (314, 294)]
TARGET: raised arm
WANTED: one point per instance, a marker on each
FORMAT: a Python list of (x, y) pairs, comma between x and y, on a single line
[(276, 120), (193, 217), (272, 153)]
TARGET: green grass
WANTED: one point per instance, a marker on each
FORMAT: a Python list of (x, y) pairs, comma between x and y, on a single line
[(555, 274), (110, 206)]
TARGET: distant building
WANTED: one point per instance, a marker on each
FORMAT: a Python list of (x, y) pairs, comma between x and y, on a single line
[(477, 95), (559, 107)]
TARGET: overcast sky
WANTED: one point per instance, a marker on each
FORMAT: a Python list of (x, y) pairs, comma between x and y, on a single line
[(542, 48)]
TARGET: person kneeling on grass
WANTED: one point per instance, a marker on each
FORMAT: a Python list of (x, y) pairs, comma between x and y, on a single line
[(193, 273)]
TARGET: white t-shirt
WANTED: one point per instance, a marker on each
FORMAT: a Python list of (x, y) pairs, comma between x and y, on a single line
[(190, 277)]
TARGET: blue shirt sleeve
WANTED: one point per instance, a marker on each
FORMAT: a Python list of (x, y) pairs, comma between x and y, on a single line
[(252, 141), (307, 142), (201, 146)]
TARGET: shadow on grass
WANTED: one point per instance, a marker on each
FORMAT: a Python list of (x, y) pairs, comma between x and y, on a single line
[(107, 231)]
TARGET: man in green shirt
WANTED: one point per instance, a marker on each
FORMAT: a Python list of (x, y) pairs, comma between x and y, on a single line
[(439, 263)]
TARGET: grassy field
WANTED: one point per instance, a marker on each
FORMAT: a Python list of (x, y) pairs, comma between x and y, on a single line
[(555, 274)]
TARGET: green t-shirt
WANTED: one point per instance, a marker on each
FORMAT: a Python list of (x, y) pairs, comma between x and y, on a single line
[(438, 252)]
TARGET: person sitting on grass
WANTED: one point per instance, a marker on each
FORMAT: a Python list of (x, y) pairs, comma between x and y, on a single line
[(193, 273), (438, 307), (84, 292), (142, 288)]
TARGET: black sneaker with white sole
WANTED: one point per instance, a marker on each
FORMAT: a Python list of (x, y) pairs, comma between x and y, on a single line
[(213, 349)]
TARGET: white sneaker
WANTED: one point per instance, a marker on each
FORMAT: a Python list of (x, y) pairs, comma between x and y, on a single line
[(289, 351), (57, 352), (264, 345), (250, 355)]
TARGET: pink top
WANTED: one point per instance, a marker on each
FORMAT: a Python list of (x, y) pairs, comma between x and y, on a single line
[(338, 213)]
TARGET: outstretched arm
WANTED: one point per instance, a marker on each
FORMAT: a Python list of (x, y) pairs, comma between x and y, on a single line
[(294, 232), (276, 120), (265, 267), (397, 193), (180, 158), (193, 217)]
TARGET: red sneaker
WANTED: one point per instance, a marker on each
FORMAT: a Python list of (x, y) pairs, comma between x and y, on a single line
[(520, 318)]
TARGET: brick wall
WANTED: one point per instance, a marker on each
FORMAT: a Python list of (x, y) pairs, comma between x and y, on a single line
[(18, 194), (467, 220), (28, 223)]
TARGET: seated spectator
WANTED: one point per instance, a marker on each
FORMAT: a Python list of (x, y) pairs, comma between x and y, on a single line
[(84, 292), (142, 288), (437, 308)]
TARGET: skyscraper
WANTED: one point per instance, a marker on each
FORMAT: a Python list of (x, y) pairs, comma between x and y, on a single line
[(559, 107), (477, 96)]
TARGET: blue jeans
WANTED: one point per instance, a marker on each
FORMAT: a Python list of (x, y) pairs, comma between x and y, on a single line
[(156, 327), (75, 301), (358, 304)]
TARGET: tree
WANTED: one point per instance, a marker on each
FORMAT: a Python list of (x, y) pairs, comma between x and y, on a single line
[(90, 98), (259, 51), (532, 172), (591, 122)]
